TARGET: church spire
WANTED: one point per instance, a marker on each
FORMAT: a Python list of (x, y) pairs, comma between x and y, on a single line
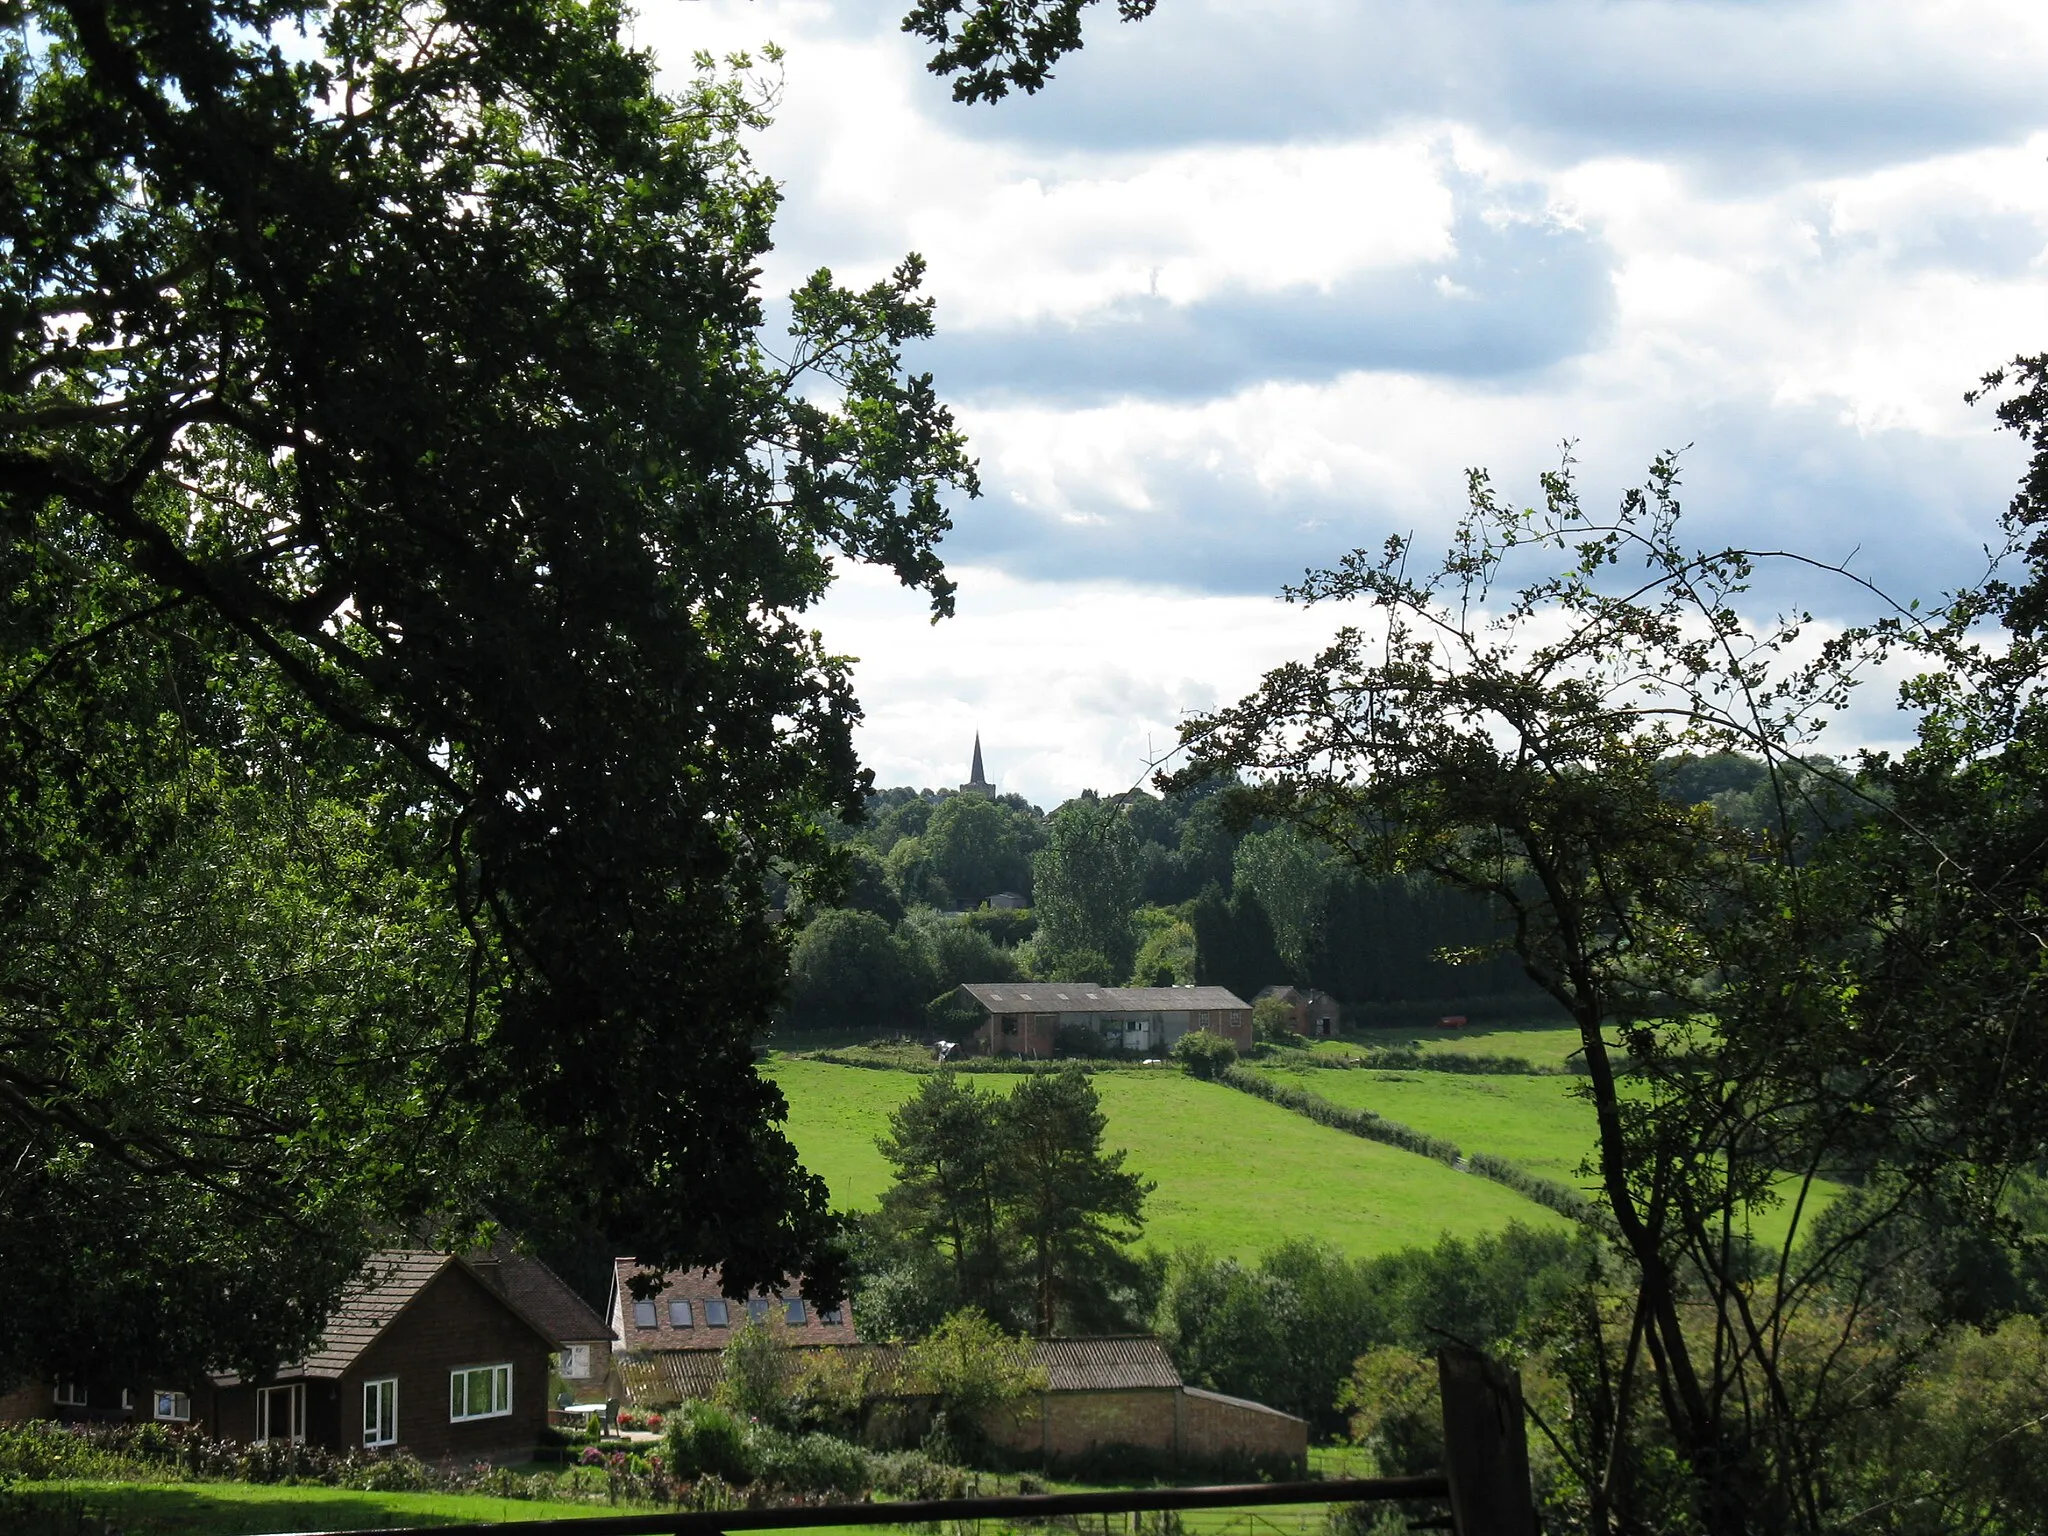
[(977, 783)]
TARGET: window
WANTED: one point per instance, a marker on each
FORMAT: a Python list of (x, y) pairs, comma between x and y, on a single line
[(127, 1399), (714, 1314), (643, 1314), (380, 1411), (574, 1362), (173, 1407), (679, 1315), (793, 1310), (281, 1413), (757, 1308), (480, 1392), (70, 1394), (832, 1317), (1009, 1023)]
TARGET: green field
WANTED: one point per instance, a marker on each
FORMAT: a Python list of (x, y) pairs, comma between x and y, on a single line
[(1536, 1122), (243, 1509), (1234, 1174), (1548, 1044)]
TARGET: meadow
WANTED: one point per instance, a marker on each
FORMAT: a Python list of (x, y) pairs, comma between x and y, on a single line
[(1235, 1175), (1544, 1045), (1538, 1123)]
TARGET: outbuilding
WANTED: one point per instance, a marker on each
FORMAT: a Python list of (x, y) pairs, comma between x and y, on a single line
[(1025, 1018)]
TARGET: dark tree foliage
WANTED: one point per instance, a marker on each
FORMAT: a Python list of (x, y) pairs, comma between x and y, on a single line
[(1010, 1205), (406, 532), (991, 45)]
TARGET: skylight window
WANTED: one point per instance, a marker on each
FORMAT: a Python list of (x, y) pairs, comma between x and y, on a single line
[(643, 1315)]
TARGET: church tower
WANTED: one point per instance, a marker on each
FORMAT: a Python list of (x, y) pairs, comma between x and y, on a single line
[(976, 783)]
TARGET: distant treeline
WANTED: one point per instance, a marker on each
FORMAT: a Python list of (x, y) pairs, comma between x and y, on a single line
[(1152, 890)]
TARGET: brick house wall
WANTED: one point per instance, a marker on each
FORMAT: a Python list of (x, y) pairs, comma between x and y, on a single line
[(454, 1323)]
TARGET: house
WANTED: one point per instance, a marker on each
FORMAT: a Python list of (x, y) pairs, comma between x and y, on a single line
[(1314, 1014), (1025, 1018), (429, 1353), (583, 1340), (691, 1312)]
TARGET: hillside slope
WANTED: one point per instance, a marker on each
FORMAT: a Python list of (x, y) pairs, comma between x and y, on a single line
[(1234, 1174)]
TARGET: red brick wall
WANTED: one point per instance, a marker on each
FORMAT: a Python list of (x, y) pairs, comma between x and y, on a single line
[(31, 1400)]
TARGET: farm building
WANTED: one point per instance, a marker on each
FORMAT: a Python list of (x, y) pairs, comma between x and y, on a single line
[(1099, 1392), (1025, 1018), (1314, 1014)]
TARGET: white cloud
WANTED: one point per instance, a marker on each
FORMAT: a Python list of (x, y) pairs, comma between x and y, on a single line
[(1072, 686), (1803, 230)]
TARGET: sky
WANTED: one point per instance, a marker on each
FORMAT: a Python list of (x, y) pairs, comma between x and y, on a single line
[(1254, 282)]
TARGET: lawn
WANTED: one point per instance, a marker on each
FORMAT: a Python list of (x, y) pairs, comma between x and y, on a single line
[(243, 1509), (1234, 1174)]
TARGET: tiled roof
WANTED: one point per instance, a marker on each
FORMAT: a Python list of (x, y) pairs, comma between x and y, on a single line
[(1104, 1365), (1079, 997), (541, 1294), (1116, 1364), (698, 1286), (661, 1375), (1237, 1402), (389, 1283)]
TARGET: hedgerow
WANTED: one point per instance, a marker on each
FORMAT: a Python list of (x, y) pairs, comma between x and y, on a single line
[(1364, 1123)]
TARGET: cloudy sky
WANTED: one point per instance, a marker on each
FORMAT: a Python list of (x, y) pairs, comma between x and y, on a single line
[(1256, 280)]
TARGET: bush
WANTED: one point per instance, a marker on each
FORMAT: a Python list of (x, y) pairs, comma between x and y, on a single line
[(811, 1463), (757, 1371), (1204, 1054), (704, 1439)]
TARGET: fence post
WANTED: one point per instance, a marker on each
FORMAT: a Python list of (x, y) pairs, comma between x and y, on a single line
[(1486, 1445)]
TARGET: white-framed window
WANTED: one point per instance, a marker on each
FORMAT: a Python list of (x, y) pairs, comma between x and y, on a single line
[(380, 1411), (679, 1315), (70, 1394), (281, 1413), (643, 1315), (715, 1313), (127, 1399), (573, 1363), (480, 1392), (173, 1407)]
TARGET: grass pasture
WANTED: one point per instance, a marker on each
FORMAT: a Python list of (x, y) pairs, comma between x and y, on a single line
[(1537, 1123), (1545, 1044), (1234, 1174)]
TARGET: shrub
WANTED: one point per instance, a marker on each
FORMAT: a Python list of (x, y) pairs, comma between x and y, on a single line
[(1204, 1054), (811, 1463), (705, 1439), (758, 1372)]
